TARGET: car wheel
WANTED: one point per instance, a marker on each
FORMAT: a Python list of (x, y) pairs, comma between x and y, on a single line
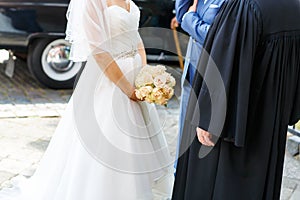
[(48, 62)]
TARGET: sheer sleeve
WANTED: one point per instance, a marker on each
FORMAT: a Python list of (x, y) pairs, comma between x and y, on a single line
[(87, 28)]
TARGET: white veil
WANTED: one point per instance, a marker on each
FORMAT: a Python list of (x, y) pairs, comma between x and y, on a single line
[(88, 30)]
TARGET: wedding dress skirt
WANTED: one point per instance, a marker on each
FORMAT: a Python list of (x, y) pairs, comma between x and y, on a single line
[(69, 171), (106, 147)]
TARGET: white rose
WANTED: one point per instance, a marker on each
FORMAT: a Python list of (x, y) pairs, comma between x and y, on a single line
[(161, 68), (167, 75), (139, 82), (147, 79), (146, 69), (160, 81), (172, 81), (158, 70)]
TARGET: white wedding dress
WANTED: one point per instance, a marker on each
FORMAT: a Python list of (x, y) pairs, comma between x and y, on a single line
[(81, 166)]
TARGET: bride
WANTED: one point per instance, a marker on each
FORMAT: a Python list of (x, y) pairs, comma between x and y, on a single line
[(108, 145)]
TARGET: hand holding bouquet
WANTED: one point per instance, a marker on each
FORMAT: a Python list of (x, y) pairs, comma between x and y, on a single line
[(155, 85)]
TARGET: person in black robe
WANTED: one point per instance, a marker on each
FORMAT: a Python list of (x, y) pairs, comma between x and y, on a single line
[(253, 50)]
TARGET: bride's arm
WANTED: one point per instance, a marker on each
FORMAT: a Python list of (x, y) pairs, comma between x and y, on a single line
[(142, 53), (96, 26), (114, 73)]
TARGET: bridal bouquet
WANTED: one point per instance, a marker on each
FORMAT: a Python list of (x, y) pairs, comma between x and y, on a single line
[(154, 84)]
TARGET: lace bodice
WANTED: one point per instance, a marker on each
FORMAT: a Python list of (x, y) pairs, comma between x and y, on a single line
[(123, 29)]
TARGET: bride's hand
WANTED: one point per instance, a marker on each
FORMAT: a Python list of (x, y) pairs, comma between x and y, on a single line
[(132, 95)]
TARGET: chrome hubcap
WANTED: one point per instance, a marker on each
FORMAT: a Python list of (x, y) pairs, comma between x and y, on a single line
[(56, 63), (58, 58)]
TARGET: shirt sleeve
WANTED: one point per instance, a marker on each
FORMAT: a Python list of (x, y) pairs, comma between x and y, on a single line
[(181, 7)]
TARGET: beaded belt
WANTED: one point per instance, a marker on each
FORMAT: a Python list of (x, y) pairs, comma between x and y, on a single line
[(126, 54)]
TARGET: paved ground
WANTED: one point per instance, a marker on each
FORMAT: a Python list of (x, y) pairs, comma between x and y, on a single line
[(29, 114), (22, 96)]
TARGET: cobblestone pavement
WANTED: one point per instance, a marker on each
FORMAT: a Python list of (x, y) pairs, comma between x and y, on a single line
[(29, 114), (23, 96)]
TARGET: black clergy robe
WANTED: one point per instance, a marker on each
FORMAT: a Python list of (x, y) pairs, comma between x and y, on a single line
[(255, 45)]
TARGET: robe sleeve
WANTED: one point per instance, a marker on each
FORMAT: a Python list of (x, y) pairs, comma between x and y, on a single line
[(222, 82), (295, 114)]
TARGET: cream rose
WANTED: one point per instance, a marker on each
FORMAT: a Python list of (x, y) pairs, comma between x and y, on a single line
[(168, 91), (172, 81), (162, 101), (157, 94), (155, 85), (138, 94), (160, 81), (146, 90)]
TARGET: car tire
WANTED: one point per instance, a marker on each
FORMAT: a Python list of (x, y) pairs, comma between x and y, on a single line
[(48, 62)]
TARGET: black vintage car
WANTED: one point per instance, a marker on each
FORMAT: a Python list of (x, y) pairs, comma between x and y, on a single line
[(36, 29)]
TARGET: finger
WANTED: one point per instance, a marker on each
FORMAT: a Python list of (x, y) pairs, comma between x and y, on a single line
[(205, 133), (176, 23), (202, 132), (173, 23), (199, 130), (201, 139), (199, 135), (208, 138), (205, 137), (208, 141)]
